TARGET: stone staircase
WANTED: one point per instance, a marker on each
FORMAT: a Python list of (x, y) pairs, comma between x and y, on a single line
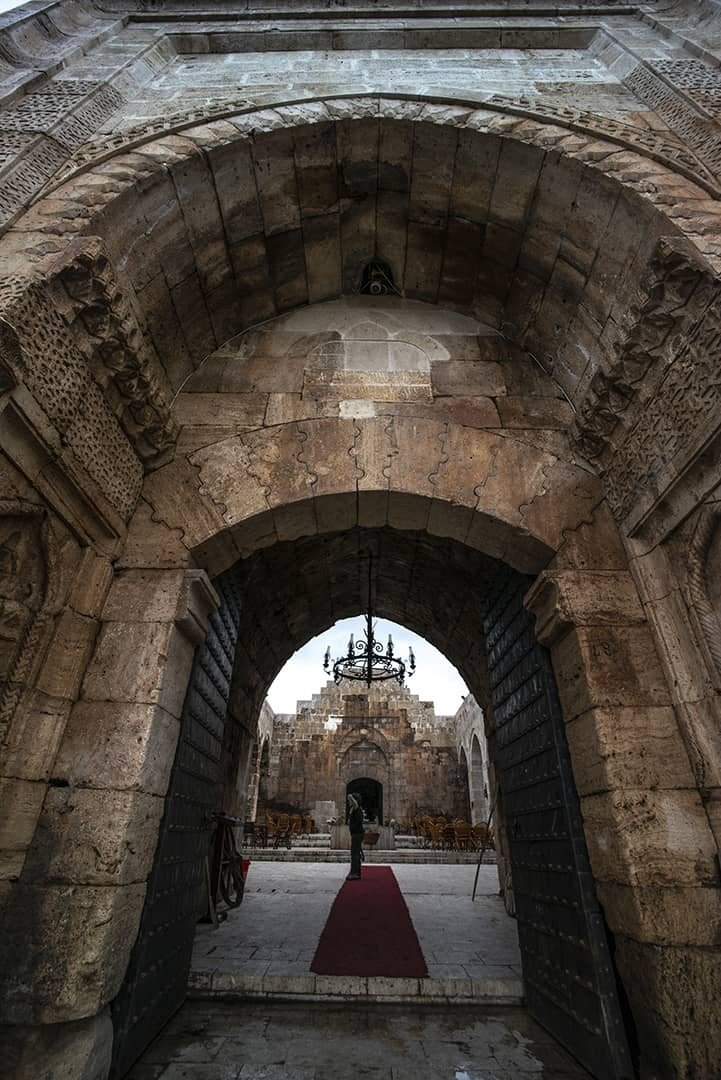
[(315, 847)]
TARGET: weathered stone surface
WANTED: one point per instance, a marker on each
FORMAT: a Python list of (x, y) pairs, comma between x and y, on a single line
[(150, 542), (620, 749), (608, 666), (140, 662), (77, 1050), (662, 915), (118, 745), (144, 596), (91, 585), (563, 599), (76, 943), (32, 741), (24, 798), (466, 378), (541, 213), (673, 993), (69, 653), (87, 836), (642, 837)]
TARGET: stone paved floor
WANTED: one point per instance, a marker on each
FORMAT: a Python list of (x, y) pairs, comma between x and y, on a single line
[(263, 1041), (276, 930)]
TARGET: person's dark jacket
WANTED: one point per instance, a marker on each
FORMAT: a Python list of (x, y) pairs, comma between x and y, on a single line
[(355, 821)]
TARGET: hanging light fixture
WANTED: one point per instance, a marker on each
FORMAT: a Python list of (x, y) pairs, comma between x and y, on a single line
[(365, 660)]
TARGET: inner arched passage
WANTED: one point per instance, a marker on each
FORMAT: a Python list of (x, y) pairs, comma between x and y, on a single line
[(370, 795), (471, 607)]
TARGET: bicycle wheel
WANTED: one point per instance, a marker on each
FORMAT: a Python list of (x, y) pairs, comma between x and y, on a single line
[(232, 882)]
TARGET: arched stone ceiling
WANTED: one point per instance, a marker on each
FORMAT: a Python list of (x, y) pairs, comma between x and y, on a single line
[(293, 591), (542, 233)]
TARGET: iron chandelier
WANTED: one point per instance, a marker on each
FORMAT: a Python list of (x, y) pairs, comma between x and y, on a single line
[(365, 660)]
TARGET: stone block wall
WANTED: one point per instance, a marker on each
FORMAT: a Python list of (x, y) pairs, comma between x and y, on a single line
[(384, 733)]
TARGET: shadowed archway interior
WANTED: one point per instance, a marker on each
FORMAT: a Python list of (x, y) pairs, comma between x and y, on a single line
[(370, 794), (471, 607)]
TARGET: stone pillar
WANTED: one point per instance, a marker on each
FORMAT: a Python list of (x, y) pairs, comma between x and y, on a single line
[(649, 842), (73, 918)]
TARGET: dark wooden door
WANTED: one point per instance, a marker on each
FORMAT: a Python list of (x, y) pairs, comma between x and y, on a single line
[(567, 967), (155, 984)]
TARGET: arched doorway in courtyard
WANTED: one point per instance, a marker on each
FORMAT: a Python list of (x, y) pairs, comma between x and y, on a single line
[(486, 517), (370, 794), (475, 600)]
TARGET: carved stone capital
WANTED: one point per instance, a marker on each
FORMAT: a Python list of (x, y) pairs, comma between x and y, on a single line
[(564, 599), (196, 602)]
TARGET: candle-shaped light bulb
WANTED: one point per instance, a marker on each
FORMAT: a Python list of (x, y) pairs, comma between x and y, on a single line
[(390, 645), (412, 658), (351, 646), (326, 661)]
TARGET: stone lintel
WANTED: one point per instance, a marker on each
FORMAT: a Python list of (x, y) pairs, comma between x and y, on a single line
[(562, 599), (196, 602)]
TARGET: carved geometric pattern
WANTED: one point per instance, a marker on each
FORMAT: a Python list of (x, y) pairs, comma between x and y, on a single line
[(674, 349), (118, 352), (105, 146), (23, 556), (649, 143), (12, 144), (689, 74), (22, 182), (700, 134), (65, 114), (54, 371)]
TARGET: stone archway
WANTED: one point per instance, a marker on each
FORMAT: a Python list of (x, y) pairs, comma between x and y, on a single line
[(263, 776), (477, 782), (371, 796), (466, 780), (281, 470), (287, 563)]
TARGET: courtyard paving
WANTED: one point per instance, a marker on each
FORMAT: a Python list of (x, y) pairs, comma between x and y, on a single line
[(306, 1041), (265, 947)]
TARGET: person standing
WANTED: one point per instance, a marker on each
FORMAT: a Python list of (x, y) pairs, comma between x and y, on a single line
[(355, 826)]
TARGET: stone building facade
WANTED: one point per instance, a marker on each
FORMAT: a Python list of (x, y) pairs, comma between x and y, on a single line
[(381, 741), (208, 212)]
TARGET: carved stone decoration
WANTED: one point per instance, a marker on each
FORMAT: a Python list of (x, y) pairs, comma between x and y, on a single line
[(662, 148), (9, 355), (117, 351), (703, 584), (103, 147), (23, 539), (663, 386), (78, 426)]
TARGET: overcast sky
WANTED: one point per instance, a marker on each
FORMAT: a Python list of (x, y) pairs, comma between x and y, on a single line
[(435, 679), (5, 5)]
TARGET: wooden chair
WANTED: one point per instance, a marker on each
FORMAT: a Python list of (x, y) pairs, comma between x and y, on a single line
[(271, 830), (436, 836), (449, 837), (282, 830), (464, 837)]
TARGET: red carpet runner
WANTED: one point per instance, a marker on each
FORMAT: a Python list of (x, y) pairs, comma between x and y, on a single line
[(369, 931)]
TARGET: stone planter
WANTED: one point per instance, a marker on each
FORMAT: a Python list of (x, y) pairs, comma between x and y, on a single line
[(340, 838)]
